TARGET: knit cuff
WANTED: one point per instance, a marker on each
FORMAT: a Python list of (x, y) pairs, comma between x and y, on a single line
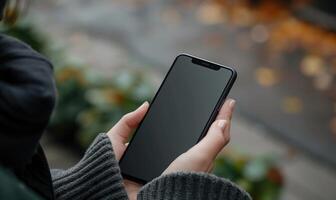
[(191, 186), (97, 176)]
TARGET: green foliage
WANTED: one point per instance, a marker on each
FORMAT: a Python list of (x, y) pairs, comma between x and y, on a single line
[(87, 106), (258, 176)]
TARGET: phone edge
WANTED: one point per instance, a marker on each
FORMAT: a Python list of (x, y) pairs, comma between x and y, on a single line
[(211, 119), (130, 177)]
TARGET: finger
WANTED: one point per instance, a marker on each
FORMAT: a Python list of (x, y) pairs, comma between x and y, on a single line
[(215, 140), (226, 110), (128, 122)]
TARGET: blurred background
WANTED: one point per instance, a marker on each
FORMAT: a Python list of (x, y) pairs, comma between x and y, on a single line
[(111, 55)]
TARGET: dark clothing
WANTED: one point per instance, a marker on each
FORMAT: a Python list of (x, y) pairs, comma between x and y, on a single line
[(11, 188), (27, 98)]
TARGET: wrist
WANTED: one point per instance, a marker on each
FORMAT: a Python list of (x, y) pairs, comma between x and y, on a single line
[(132, 189)]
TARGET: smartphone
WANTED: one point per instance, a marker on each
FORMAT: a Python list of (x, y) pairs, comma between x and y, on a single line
[(179, 116)]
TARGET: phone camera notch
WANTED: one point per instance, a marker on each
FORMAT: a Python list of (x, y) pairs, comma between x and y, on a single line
[(205, 64)]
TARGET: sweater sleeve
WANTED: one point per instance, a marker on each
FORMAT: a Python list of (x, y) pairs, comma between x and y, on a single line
[(191, 186), (97, 176)]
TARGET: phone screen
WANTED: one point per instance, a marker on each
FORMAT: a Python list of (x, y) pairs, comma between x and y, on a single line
[(180, 112)]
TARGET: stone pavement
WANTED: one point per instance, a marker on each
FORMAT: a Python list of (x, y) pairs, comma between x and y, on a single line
[(87, 39)]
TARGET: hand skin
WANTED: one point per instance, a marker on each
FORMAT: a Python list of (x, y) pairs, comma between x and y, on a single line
[(199, 158)]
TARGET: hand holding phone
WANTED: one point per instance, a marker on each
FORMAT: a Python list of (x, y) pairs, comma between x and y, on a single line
[(180, 115), (199, 158)]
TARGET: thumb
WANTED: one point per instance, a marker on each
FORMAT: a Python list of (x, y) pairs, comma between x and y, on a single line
[(215, 140), (123, 128)]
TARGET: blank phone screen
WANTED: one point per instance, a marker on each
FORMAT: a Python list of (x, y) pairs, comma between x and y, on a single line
[(176, 119)]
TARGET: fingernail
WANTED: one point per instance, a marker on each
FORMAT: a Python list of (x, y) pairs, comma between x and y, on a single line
[(144, 104), (221, 124), (232, 103)]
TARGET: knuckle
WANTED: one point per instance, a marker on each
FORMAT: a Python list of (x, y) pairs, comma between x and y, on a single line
[(125, 117)]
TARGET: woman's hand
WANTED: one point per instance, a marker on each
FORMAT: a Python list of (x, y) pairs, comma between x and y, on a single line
[(200, 157), (119, 136), (121, 131)]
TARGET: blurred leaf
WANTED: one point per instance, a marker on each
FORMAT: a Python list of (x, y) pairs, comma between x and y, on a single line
[(266, 77), (256, 170), (210, 13), (257, 175), (292, 105), (323, 80), (225, 167), (312, 65), (259, 33)]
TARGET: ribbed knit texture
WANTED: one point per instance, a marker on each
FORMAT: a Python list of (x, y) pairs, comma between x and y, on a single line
[(191, 186), (97, 176)]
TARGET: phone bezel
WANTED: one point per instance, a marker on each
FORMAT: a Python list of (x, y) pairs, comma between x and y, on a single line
[(214, 113)]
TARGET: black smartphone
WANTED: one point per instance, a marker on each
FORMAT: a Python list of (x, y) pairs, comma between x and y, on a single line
[(180, 114)]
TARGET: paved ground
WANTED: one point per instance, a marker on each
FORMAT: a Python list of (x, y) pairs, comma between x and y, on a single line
[(112, 44)]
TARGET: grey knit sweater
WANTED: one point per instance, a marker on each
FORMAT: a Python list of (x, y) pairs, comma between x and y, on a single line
[(97, 176)]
